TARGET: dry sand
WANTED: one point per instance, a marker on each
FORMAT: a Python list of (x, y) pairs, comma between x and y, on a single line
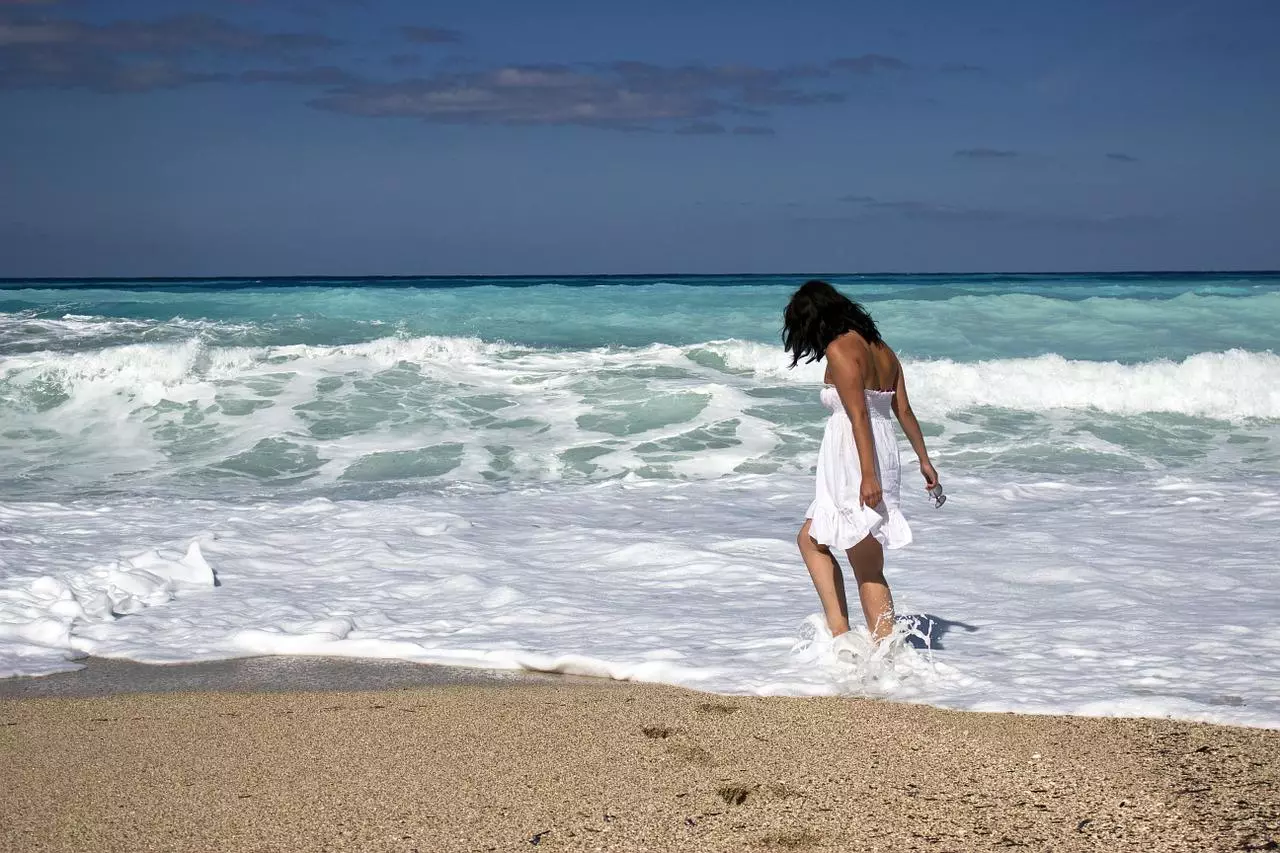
[(578, 766)]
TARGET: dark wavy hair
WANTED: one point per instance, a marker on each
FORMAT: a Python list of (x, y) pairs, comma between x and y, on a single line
[(818, 314)]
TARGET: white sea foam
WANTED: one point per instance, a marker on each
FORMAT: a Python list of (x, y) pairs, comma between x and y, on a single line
[(41, 615), (1036, 595), (1228, 385), (460, 409)]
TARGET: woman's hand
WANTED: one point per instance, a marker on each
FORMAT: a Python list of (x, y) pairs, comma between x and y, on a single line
[(929, 474), (870, 494)]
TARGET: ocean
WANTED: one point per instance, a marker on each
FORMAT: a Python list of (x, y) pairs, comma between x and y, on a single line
[(605, 476)]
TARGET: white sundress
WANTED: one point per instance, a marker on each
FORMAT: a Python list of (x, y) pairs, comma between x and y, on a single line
[(838, 521)]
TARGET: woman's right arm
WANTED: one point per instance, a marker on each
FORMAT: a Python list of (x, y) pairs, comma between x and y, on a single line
[(911, 426)]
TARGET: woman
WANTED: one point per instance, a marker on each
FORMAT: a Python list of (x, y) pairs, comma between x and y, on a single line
[(856, 508)]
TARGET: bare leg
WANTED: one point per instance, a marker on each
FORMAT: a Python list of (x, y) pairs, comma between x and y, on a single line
[(827, 579), (867, 559)]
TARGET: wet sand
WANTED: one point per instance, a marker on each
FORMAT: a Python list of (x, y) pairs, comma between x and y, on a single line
[(286, 673), (562, 765)]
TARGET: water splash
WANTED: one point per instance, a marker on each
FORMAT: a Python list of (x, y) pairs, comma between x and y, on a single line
[(860, 666)]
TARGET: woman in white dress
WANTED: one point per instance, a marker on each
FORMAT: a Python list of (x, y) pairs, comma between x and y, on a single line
[(856, 508)]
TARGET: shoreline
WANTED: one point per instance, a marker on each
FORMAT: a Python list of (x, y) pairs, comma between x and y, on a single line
[(110, 677), (587, 764), (105, 677), (101, 678)]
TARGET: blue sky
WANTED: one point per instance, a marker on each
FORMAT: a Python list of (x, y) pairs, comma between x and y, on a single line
[(347, 137)]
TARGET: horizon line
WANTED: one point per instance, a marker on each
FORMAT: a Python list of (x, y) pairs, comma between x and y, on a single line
[(4, 280)]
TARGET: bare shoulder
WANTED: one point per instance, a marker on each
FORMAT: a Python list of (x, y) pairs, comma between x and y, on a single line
[(848, 348), (891, 355)]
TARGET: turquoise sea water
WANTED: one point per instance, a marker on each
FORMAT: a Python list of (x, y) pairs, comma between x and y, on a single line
[(373, 387), (1130, 317)]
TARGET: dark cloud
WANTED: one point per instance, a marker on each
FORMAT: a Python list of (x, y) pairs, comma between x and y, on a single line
[(175, 35), (315, 8), (701, 128), (1121, 157), (404, 60), (547, 94), (619, 95), (90, 70), (945, 212), (134, 56), (315, 75), (869, 63), (962, 68), (984, 154), (182, 50), (431, 35), (751, 86), (924, 211), (766, 97)]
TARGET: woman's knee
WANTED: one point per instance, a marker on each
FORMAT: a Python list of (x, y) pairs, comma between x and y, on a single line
[(805, 542)]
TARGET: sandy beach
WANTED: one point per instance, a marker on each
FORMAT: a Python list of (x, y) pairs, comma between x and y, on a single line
[(604, 766)]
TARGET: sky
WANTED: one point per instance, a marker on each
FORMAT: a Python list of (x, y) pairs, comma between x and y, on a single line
[(389, 137)]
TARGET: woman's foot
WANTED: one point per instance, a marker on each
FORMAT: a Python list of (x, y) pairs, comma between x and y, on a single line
[(849, 648)]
